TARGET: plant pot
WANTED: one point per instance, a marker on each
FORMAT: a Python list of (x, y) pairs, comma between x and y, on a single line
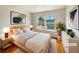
[(59, 38), (59, 32)]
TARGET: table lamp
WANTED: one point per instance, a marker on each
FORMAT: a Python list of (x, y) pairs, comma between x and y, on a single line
[(31, 27), (6, 32)]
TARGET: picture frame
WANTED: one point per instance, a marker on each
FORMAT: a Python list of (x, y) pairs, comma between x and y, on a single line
[(74, 18), (17, 18)]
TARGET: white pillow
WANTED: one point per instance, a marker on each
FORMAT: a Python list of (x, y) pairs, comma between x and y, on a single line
[(26, 30), (17, 31)]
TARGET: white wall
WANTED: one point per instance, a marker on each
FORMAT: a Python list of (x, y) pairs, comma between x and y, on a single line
[(69, 8), (58, 13), (5, 15), (25, 9)]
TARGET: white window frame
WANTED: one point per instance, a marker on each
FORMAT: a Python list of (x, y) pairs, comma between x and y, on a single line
[(46, 26)]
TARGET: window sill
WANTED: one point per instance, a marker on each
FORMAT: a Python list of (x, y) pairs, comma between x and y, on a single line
[(50, 30), (46, 30)]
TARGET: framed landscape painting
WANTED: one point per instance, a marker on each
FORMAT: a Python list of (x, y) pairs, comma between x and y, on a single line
[(17, 18)]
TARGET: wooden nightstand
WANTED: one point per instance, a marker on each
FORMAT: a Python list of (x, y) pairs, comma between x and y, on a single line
[(5, 43)]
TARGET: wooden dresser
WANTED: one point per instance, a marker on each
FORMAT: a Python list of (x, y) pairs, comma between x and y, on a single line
[(71, 45)]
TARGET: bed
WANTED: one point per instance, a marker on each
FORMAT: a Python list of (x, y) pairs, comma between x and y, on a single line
[(34, 42)]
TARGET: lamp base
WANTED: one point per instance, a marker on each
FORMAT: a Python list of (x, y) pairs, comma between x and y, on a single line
[(6, 35)]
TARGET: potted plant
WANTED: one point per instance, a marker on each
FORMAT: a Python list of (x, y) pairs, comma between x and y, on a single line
[(60, 27)]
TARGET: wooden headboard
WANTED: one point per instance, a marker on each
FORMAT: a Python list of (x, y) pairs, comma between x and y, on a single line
[(16, 27)]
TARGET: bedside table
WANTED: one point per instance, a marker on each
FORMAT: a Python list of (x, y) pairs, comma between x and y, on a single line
[(5, 43)]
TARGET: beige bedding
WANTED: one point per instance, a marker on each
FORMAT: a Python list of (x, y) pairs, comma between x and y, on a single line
[(37, 43)]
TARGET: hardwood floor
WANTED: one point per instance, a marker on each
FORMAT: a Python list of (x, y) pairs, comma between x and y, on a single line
[(60, 48), (10, 49)]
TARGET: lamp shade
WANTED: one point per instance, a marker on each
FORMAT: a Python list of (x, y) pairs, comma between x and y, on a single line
[(30, 26), (6, 29)]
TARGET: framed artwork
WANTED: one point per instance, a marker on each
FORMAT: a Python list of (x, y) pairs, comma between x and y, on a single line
[(74, 18), (17, 18)]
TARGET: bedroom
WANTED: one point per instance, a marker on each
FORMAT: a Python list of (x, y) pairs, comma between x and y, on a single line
[(44, 30)]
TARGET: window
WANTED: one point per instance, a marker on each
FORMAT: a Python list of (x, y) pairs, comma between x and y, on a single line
[(46, 22), (40, 23)]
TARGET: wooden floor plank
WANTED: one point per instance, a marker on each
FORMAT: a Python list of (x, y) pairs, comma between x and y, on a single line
[(59, 46), (10, 49)]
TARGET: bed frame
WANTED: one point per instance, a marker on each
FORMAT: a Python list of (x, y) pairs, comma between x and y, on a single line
[(24, 48)]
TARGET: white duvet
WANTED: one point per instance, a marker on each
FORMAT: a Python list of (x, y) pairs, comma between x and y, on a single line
[(35, 41), (38, 43), (22, 38)]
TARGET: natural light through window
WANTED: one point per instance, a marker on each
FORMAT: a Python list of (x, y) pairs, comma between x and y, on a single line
[(46, 22)]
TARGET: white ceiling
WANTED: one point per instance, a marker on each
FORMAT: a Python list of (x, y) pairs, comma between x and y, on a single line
[(47, 7), (34, 8)]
